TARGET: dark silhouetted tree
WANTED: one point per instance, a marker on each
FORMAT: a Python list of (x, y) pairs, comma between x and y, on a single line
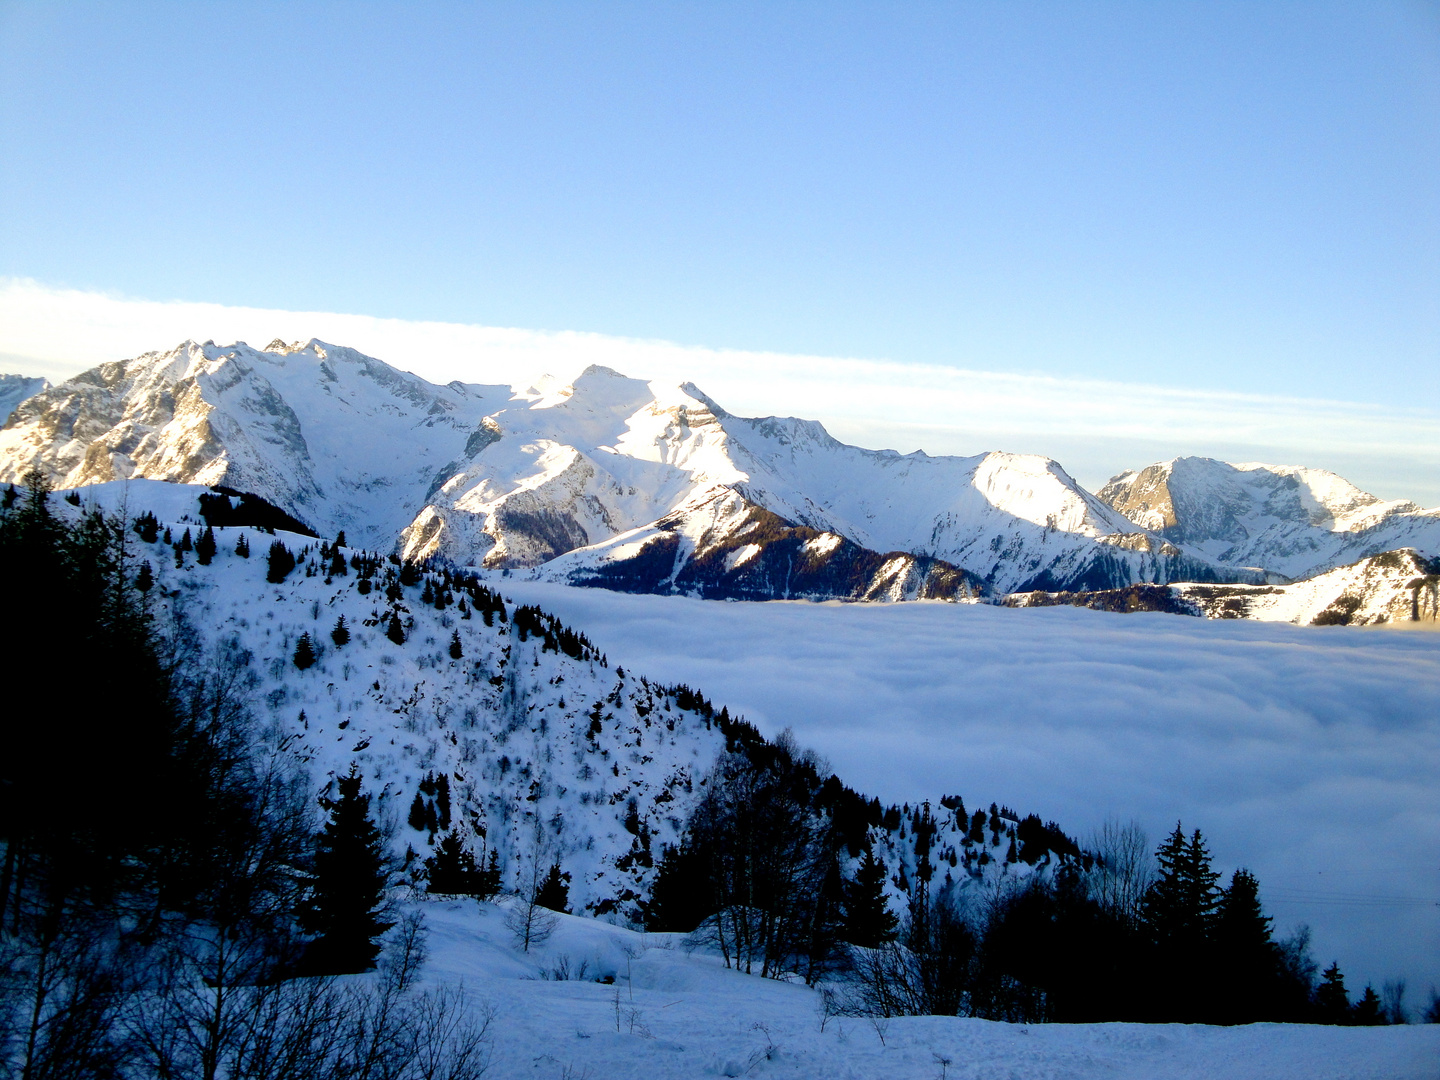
[(340, 635), (205, 547), (346, 910), (304, 652), (279, 563), (869, 921)]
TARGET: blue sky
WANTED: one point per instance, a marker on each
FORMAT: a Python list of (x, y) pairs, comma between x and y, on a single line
[(1232, 198)]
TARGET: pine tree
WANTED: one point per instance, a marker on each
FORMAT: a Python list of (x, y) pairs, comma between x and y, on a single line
[(1368, 1010), (1247, 961), (416, 820), (554, 891), (869, 922), (394, 631), (1332, 1001), (205, 547), (340, 635), (456, 651), (346, 909), (187, 544), (304, 652), (280, 562), (145, 579), (452, 869), (489, 883), (442, 800), (242, 547)]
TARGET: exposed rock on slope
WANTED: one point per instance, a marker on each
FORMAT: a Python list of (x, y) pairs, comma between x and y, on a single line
[(1291, 521)]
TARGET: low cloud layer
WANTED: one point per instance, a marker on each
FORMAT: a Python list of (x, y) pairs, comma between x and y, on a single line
[(1095, 429), (1307, 754)]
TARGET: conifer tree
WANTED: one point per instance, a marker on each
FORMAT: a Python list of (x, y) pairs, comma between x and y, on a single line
[(280, 562), (304, 652), (340, 635), (869, 922), (145, 579), (186, 544), (205, 547), (1368, 1011), (346, 909), (490, 877), (1246, 958), (554, 891), (394, 631), (242, 547), (1332, 1001), (452, 869), (442, 800), (417, 817), (456, 650)]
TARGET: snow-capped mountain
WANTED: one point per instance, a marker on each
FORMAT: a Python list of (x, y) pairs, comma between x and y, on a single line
[(639, 486), (1291, 521), (16, 388)]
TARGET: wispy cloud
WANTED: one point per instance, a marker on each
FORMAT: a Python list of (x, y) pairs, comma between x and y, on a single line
[(1094, 428)]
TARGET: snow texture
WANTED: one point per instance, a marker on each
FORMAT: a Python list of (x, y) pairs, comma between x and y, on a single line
[(674, 1012)]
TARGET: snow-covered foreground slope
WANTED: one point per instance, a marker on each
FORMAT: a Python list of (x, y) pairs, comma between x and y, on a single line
[(1292, 521), (484, 474), (673, 1014), (1307, 754)]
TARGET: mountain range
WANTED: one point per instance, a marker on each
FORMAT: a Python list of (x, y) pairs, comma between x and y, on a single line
[(652, 487)]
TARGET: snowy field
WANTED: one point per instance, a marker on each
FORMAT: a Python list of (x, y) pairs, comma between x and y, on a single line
[(671, 1014), (1310, 755)]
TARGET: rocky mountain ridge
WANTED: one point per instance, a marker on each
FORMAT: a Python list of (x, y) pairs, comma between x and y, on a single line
[(649, 487)]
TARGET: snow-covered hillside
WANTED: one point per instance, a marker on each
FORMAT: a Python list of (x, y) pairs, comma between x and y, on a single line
[(1291, 521), (490, 476), (544, 744)]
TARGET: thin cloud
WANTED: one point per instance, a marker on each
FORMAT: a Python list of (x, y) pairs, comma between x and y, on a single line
[(1094, 428)]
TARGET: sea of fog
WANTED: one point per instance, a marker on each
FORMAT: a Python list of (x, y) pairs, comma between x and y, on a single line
[(1309, 755)]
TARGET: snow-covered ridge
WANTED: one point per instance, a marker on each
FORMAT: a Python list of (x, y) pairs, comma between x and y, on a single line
[(491, 476), (1292, 521)]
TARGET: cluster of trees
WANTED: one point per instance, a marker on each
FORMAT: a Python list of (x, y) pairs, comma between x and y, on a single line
[(776, 868), (173, 910)]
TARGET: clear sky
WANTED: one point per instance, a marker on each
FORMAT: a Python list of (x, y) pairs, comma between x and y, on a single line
[(1210, 197)]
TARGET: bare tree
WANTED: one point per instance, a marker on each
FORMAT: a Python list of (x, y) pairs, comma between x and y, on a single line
[(1124, 868), (527, 920)]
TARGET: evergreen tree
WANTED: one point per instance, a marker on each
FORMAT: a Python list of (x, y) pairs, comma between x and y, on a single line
[(442, 800), (394, 631), (1247, 961), (456, 651), (1332, 1001), (1368, 1010), (145, 579), (205, 547), (304, 652), (346, 909), (554, 891), (186, 544), (242, 547), (416, 820), (869, 922), (280, 562), (340, 540), (146, 527), (340, 635), (452, 870), (489, 883)]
